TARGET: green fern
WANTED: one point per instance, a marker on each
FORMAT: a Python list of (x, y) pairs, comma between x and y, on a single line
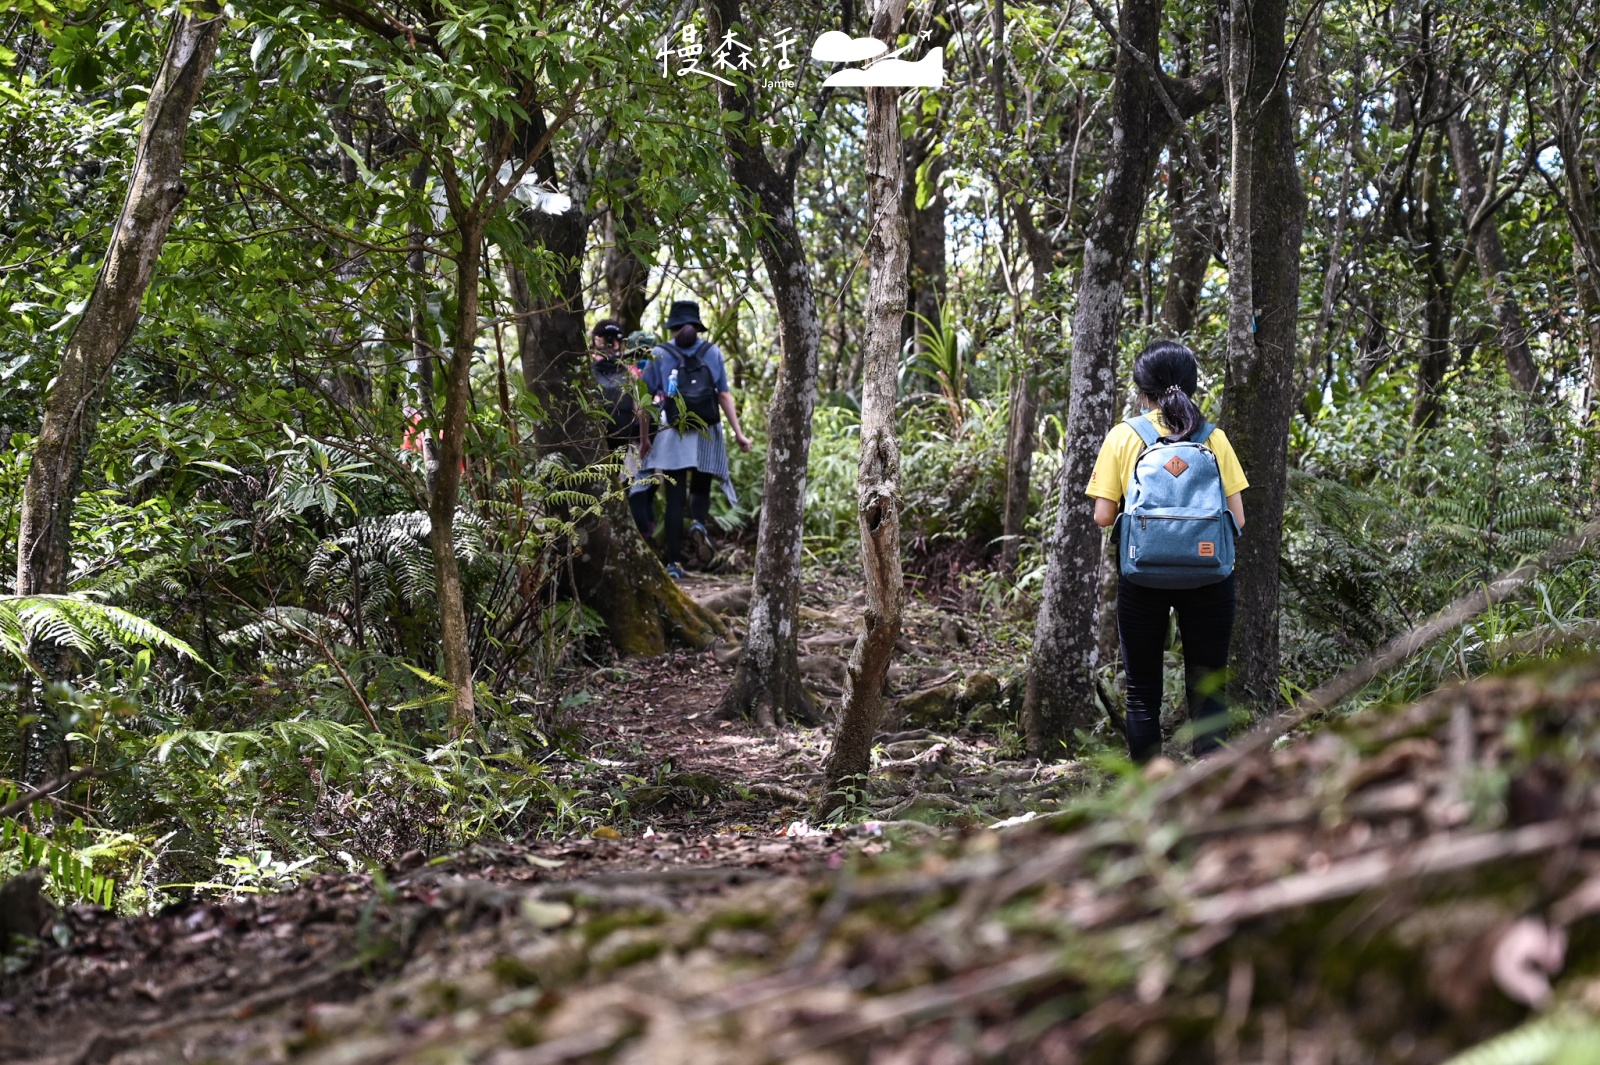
[(79, 623), (70, 877)]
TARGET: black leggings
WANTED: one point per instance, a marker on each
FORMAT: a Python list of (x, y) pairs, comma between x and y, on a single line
[(698, 486), (1205, 623), (643, 505)]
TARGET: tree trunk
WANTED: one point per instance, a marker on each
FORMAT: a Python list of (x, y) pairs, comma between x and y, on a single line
[(453, 634), (1023, 416), (1493, 266), (72, 405), (1022, 419), (1059, 696), (552, 344), (1584, 221), (155, 190), (767, 685), (1438, 299), (614, 570), (1193, 239), (928, 273), (878, 477), (627, 272), (1260, 376), (422, 354)]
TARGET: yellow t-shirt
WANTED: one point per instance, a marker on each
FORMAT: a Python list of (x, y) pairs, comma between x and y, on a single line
[(1120, 453)]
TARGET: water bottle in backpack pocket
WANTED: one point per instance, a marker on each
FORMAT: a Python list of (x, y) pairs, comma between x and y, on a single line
[(692, 392), (1175, 529)]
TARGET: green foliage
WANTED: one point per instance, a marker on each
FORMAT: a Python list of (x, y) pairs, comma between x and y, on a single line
[(66, 857), (1565, 1037), (1374, 548), (78, 623), (942, 352)]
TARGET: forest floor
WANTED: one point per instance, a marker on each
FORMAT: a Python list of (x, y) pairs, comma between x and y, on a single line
[(700, 807), (1392, 887)]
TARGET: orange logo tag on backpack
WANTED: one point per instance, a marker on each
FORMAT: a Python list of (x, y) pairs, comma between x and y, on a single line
[(1175, 465), (1208, 549)]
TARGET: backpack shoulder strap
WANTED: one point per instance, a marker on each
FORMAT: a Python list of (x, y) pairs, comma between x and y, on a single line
[(1203, 433), (1146, 431)]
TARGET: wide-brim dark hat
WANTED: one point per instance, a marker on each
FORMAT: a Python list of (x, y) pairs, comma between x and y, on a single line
[(685, 312)]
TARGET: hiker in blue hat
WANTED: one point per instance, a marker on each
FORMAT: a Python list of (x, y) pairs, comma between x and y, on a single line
[(689, 384)]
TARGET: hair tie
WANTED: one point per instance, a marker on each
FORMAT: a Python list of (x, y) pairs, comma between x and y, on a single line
[(1174, 389)]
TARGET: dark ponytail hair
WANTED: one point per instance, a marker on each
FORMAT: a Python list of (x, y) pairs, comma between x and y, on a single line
[(1167, 373)]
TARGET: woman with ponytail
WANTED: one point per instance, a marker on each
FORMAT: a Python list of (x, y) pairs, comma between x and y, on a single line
[(1167, 376)]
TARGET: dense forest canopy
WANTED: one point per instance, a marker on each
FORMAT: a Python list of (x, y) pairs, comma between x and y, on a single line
[(317, 547)]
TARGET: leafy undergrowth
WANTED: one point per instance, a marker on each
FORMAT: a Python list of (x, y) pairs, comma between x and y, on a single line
[(1394, 888)]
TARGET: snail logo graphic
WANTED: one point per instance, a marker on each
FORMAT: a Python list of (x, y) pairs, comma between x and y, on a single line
[(882, 71)]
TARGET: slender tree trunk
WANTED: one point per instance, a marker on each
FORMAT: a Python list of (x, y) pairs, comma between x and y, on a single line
[(1059, 696), (1438, 299), (928, 273), (422, 355), (1260, 376), (1493, 266), (878, 478), (767, 685), (72, 405), (1584, 222), (453, 633), (1323, 332), (1023, 416), (1023, 408)]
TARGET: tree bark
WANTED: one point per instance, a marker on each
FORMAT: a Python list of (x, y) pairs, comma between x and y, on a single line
[(1260, 375), (1059, 696), (453, 634), (627, 273), (1438, 298), (928, 273), (1023, 416), (72, 405), (422, 355), (551, 342), (878, 476), (155, 191), (767, 685), (1493, 266)]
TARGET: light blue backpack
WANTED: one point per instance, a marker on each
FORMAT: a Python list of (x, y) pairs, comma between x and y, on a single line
[(1175, 529)]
